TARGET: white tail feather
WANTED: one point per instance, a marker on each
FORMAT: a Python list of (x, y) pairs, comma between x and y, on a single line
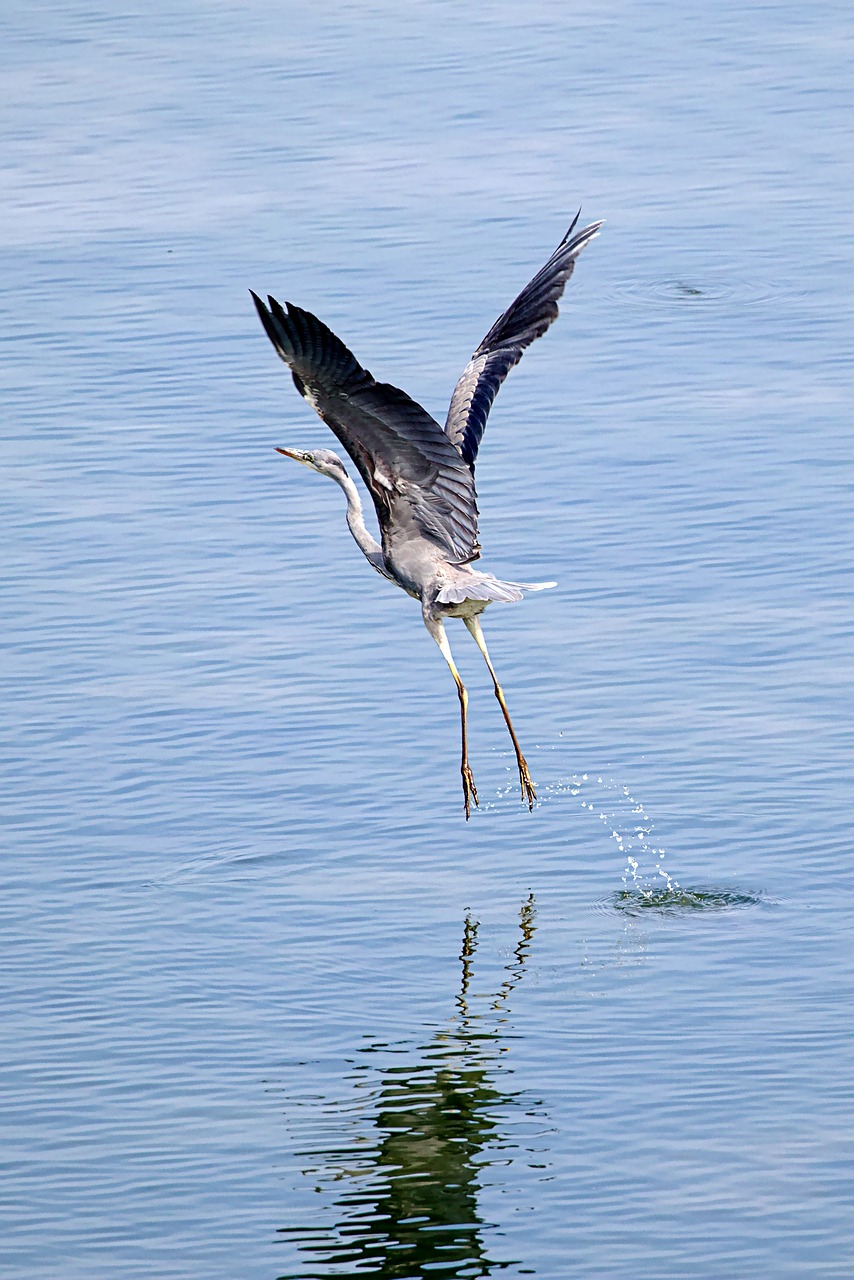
[(484, 587)]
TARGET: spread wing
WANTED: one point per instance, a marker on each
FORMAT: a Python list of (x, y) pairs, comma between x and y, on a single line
[(528, 318), (412, 470)]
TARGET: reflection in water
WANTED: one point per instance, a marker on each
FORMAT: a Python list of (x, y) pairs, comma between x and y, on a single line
[(407, 1204), (676, 900)]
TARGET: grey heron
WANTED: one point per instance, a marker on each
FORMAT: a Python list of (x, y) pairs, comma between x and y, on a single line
[(420, 475)]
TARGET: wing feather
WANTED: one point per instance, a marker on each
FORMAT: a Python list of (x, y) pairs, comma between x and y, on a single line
[(411, 468), (525, 320)]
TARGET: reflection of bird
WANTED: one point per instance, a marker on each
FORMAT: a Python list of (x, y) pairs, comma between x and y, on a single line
[(406, 1189), (421, 477)]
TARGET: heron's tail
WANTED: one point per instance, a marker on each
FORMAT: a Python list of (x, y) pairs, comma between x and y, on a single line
[(483, 586), (532, 586)]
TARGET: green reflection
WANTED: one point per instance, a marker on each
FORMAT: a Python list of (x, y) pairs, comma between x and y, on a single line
[(407, 1204), (676, 900)]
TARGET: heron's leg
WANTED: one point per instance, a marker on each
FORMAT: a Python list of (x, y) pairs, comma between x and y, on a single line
[(437, 630), (528, 792)]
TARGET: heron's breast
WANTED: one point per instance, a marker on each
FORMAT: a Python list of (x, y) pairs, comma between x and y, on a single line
[(465, 609), (413, 566)]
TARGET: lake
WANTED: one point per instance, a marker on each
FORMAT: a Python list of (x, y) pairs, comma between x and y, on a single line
[(271, 1007)]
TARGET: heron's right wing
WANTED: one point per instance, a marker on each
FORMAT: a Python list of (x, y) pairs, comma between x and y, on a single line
[(526, 319), (411, 468)]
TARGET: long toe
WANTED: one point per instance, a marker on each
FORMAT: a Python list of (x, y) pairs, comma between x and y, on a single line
[(469, 790), (528, 792)]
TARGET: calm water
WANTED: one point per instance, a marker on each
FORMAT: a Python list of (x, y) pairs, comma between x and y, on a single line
[(270, 1007)]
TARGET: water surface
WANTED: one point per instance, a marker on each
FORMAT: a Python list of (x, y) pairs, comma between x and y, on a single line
[(271, 1007)]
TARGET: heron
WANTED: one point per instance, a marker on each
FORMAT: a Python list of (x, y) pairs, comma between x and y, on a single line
[(420, 475)]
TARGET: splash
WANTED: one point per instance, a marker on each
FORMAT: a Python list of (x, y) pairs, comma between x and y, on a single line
[(631, 828), (678, 901), (647, 886)]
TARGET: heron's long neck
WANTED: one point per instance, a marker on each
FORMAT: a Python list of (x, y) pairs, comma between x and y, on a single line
[(366, 542)]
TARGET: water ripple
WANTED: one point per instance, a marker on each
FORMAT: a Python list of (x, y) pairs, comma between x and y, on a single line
[(680, 900), (698, 290)]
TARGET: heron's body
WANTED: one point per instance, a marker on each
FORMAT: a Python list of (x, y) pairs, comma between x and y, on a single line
[(420, 475)]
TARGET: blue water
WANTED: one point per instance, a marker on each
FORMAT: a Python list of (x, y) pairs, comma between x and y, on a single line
[(270, 1006)]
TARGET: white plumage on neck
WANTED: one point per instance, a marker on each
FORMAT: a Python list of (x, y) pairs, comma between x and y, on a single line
[(364, 539)]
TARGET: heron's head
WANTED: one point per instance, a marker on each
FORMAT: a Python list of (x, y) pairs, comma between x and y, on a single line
[(323, 461)]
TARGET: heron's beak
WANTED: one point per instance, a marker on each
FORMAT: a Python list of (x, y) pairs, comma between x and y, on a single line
[(296, 454)]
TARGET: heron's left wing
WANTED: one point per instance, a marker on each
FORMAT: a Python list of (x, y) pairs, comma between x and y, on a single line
[(412, 470), (526, 319)]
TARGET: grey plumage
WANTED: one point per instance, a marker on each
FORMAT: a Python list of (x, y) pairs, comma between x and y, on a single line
[(421, 477), (524, 320), (404, 457)]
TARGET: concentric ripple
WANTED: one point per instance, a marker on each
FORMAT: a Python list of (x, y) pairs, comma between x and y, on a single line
[(705, 290), (678, 900)]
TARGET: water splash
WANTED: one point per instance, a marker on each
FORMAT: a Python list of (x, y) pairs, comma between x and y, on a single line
[(677, 901), (631, 828), (647, 885)]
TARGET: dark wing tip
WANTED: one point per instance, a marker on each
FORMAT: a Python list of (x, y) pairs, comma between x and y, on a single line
[(268, 319), (584, 235), (526, 319), (574, 223), (572, 226)]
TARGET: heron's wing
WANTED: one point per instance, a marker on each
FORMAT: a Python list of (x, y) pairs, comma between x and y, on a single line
[(411, 468), (526, 319)]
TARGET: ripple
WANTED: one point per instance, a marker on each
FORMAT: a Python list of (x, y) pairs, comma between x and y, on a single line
[(678, 900), (702, 291)]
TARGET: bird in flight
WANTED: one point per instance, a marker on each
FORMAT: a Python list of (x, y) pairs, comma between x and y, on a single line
[(421, 475)]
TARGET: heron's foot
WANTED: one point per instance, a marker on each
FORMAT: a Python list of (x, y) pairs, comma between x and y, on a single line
[(528, 792), (469, 789)]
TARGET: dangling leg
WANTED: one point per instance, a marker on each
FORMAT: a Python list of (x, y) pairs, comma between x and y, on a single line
[(528, 792), (437, 630)]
